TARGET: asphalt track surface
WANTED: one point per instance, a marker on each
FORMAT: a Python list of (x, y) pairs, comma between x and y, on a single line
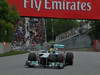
[(85, 63)]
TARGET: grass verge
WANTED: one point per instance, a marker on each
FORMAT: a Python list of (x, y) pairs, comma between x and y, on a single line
[(12, 53)]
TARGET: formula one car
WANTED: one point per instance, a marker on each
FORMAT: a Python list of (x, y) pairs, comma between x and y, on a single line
[(54, 59)]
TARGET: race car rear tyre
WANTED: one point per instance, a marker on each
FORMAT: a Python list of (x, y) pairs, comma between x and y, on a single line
[(69, 58), (32, 57)]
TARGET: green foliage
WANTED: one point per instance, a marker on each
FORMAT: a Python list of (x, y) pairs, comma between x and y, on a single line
[(8, 17), (59, 26), (95, 34), (12, 53)]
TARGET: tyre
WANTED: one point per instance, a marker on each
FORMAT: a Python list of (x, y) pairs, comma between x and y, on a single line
[(28, 64), (32, 57), (69, 58)]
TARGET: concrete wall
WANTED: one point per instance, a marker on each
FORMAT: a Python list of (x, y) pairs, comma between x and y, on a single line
[(5, 47), (1, 48), (78, 41)]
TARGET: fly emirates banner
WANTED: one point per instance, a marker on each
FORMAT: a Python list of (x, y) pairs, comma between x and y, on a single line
[(70, 9)]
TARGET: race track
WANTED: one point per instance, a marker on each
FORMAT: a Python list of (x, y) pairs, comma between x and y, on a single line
[(85, 63)]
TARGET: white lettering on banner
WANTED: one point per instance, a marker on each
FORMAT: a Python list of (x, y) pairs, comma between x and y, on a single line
[(89, 5), (25, 3), (37, 6), (33, 3), (46, 5), (58, 5), (73, 6)]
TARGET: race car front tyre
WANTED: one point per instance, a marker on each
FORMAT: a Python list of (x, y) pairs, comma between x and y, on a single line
[(28, 63), (32, 57), (69, 58)]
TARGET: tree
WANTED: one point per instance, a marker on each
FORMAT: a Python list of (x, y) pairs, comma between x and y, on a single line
[(8, 18), (95, 33), (59, 26)]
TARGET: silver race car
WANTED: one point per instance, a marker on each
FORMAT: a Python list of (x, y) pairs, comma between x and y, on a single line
[(50, 59)]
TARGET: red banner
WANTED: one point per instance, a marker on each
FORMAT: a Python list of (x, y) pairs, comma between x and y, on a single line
[(70, 9), (96, 45)]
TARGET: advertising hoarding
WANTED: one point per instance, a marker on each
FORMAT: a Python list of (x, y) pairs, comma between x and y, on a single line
[(70, 9)]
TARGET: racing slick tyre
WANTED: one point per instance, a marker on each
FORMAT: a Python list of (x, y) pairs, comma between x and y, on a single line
[(28, 64), (32, 57), (69, 58)]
